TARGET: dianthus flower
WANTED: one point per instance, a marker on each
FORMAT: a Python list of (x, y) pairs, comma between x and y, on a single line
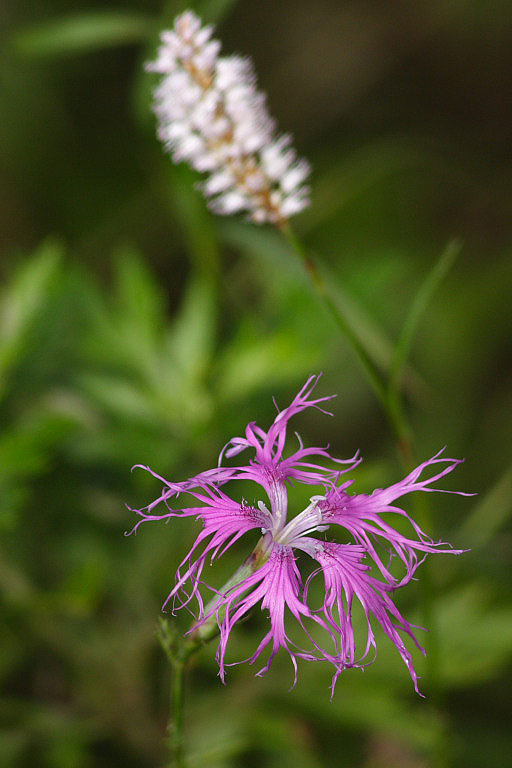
[(271, 578), (212, 116)]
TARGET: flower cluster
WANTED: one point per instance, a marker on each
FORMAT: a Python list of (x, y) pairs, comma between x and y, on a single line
[(351, 571), (212, 116)]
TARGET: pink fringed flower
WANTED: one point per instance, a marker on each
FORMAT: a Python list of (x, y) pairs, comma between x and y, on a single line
[(271, 577)]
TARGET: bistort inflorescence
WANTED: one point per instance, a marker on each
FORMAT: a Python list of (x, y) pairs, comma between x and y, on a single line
[(212, 116)]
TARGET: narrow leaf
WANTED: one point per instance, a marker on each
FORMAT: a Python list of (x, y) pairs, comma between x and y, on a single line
[(476, 638), (490, 514), (418, 308), (82, 32), (345, 179), (268, 245), (192, 337), (22, 300), (140, 299)]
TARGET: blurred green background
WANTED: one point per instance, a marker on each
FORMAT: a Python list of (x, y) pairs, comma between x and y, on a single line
[(135, 327)]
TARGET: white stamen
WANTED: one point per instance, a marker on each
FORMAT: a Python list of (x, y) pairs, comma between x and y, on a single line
[(308, 521)]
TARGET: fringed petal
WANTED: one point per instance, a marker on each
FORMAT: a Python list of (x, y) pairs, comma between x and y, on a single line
[(346, 578), (276, 586), (361, 515)]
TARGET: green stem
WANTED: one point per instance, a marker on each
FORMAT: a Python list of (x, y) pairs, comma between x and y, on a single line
[(177, 654), (387, 387), (390, 404), (176, 723), (179, 649), (322, 290)]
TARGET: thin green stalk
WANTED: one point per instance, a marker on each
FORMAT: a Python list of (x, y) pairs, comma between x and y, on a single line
[(417, 310), (177, 654), (394, 400), (376, 379), (389, 391), (179, 649), (177, 710), (322, 290)]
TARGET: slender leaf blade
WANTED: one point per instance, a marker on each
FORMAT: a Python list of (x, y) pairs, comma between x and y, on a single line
[(82, 32), (418, 308)]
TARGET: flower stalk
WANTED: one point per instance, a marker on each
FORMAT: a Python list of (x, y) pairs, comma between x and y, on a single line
[(177, 655), (212, 116), (179, 649), (388, 396)]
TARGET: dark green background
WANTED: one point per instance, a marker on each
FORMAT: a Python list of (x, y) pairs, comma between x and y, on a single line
[(135, 327)]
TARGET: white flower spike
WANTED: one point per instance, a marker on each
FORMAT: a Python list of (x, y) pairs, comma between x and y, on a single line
[(212, 116)]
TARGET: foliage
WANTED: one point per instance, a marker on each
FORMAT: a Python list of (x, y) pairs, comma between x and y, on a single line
[(134, 327)]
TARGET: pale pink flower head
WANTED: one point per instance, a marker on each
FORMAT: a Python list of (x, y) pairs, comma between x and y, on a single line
[(350, 572), (212, 116)]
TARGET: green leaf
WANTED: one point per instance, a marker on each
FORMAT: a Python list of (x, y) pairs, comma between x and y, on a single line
[(363, 703), (140, 300), (346, 178), (120, 397), (254, 360), (26, 452), (13, 745), (22, 301), (270, 246), (475, 639), (418, 308), (372, 338), (82, 32), (192, 337), (129, 326), (489, 515), (264, 242)]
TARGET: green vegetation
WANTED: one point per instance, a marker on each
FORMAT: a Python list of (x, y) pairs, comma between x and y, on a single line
[(137, 328)]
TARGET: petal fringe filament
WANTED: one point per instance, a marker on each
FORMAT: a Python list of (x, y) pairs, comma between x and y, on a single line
[(271, 577)]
